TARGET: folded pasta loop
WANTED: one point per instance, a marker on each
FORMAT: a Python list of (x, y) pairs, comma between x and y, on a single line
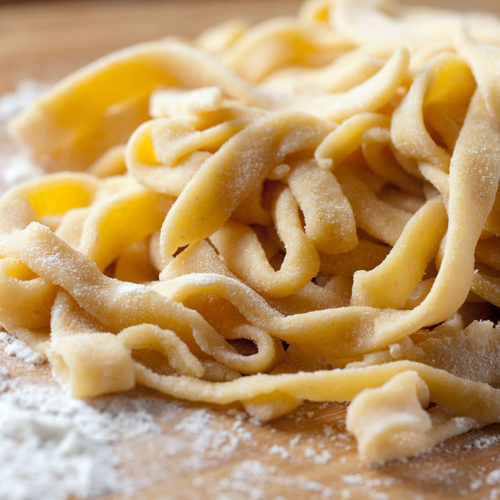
[(390, 284), (241, 164), (120, 221), (390, 422), (328, 216), (165, 342), (433, 90), (244, 255), (25, 299), (92, 364)]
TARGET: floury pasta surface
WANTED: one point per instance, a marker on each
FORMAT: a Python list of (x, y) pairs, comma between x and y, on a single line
[(302, 209)]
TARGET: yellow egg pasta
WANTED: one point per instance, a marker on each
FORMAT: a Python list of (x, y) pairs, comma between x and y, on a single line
[(306, 209)]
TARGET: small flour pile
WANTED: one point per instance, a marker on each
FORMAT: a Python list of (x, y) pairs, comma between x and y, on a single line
[(46, 447), (52, 445), (18, 349)]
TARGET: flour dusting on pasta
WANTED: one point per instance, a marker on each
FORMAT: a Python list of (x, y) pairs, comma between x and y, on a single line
[(305, 209)]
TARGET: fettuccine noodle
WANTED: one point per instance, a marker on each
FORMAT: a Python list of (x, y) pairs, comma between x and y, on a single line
[(306, 209)]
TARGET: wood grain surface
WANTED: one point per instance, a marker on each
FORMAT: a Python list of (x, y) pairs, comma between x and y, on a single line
[(306, 455)]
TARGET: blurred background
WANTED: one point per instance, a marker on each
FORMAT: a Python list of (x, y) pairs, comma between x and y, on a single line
[(45, 40)]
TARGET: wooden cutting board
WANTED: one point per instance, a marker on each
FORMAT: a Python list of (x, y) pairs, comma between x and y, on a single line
[(306, 455)]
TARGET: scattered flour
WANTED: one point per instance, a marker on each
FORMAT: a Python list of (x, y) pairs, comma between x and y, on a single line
[(251, 479), (319, 458), (209, 438), (493, 477), (295, 440), (14, 102), (17, 348), (483, 442), (353, 479), (54, 446), (279, 450), (15, 167)]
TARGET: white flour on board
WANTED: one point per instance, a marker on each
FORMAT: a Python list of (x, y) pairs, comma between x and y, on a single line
[(54, 446), (16, 167), (14, 102), (18, 349)]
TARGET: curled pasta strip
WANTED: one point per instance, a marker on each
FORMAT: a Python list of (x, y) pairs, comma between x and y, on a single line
[(316, 332), (274, 44), (231, 326), (372, 215), (377, 153), (68, 319), (475, 398), (328, 216), (24, 298), (342, 74), (222, 182), (265, 356), (346, 138), (467, 212), (430, 87), (59, 141), (129, 216), (48, 196), (166, 343), (369, 96), (390, 421), (245, 257), (164, 154), (88, 373), (390, 284)]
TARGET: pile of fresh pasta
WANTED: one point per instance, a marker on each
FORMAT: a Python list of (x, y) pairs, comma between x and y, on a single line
[(305, 209)]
